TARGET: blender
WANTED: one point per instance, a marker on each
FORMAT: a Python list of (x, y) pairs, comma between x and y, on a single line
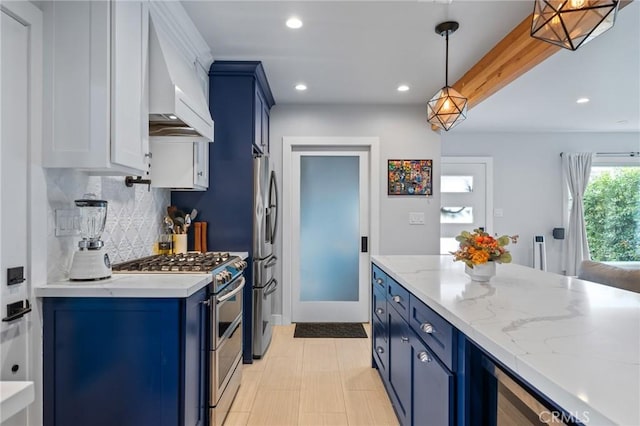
[(91, 262)]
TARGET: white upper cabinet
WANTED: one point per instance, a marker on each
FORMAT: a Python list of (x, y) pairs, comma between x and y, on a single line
[(180, 164), (97, 86)]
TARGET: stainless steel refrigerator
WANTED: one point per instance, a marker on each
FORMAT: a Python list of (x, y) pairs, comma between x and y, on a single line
[(264, 259)]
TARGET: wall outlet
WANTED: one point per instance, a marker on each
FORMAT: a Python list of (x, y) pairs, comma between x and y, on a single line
[(416, 218), (67, 222)]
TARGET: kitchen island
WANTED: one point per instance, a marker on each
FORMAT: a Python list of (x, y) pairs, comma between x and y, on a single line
[(574, 342)]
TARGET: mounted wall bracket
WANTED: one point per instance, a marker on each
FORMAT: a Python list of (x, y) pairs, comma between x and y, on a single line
[(129, 181)]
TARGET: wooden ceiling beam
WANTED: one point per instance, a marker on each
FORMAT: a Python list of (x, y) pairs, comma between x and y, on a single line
[(513, 56)]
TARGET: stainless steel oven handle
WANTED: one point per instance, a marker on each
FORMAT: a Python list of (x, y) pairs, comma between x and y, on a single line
[(233, 293), (271, 287)]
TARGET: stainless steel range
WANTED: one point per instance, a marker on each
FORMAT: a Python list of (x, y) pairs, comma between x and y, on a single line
[(225, 316)]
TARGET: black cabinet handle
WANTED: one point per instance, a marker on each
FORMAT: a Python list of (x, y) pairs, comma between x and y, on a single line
[(364, 244)]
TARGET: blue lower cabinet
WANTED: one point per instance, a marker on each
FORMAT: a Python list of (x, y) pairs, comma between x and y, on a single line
[(433, 386), (125, 361), (380, 347), (379, 326), (420, 367), (400, 366)]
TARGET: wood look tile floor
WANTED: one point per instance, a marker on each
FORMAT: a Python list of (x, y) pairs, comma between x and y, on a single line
[(309, 382)]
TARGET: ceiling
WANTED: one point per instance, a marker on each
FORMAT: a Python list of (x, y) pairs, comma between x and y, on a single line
[(359, 52)]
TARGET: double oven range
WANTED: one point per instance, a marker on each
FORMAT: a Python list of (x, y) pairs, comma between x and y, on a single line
[(225, 317)]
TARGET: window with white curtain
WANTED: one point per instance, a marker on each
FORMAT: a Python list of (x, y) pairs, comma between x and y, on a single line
[(612, 210)]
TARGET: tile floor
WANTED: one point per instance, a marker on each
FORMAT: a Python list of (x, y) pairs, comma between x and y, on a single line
[(312, 382)]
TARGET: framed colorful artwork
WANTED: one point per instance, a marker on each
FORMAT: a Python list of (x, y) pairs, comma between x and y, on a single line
[(409, 177)]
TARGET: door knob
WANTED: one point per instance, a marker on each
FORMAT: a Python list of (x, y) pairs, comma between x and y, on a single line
[(397, 299)]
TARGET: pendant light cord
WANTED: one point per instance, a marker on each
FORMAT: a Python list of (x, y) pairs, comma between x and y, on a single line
[(446, 61)]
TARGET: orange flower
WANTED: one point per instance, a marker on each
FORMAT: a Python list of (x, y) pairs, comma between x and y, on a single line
[(479, 247)]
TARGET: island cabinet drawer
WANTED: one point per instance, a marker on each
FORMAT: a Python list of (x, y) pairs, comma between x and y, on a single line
[(381, 347), (434, 330), (379, 306), (398, 297), (379, 279)]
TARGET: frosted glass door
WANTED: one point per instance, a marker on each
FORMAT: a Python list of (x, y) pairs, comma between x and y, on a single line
[(332, 218), (329, 228)]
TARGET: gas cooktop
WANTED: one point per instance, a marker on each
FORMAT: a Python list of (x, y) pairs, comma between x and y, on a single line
[(187, 263)]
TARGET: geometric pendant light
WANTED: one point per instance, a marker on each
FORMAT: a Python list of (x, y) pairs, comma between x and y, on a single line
[(448, 107), (572, 23)]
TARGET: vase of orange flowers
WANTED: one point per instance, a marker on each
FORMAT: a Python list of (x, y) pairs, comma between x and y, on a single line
[(480, 252)]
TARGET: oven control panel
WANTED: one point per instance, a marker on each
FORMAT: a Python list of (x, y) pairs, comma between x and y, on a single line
[(230, 271)]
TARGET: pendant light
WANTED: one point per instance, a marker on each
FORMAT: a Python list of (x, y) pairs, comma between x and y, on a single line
[(447, 108), (572, 23)]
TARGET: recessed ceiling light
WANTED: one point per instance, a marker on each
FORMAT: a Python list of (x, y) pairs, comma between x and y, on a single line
[(301, 87), (582, 100), (173, 117), (294, 23), (403, 88)]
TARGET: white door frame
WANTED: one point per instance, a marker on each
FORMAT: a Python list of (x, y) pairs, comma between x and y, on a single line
[(36, 268), (488, 162), (289, 143)]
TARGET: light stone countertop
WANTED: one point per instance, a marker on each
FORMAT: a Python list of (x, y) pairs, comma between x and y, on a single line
[(14, 397), (575, 341), (131, 285)]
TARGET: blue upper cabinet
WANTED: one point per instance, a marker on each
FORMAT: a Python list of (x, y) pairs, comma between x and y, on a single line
[(240, 100), (240, 96)]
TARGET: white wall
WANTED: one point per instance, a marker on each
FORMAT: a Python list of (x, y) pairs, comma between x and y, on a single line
[(404, 134), (528, 179)]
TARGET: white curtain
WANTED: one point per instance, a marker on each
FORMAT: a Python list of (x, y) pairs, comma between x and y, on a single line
[(576, 167)]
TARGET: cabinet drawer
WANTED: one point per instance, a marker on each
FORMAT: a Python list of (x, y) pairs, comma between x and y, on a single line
[(434, 330), (378, 279), (398, 297), (381, 346), (379, 306)]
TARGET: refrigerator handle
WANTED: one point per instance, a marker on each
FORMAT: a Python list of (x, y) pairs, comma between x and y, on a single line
[(270, 287), (273, 205)]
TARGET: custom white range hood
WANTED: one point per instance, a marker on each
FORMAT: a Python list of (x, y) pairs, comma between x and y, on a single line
[(177, 104)]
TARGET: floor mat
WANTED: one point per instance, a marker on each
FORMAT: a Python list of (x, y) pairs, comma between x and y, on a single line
[(330, 330)]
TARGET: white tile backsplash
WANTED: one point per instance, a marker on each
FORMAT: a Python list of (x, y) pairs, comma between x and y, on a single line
[(134, 217)]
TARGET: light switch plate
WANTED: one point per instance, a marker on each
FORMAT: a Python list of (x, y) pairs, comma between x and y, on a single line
[(67, 222), (498, 212), (416, 218)]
